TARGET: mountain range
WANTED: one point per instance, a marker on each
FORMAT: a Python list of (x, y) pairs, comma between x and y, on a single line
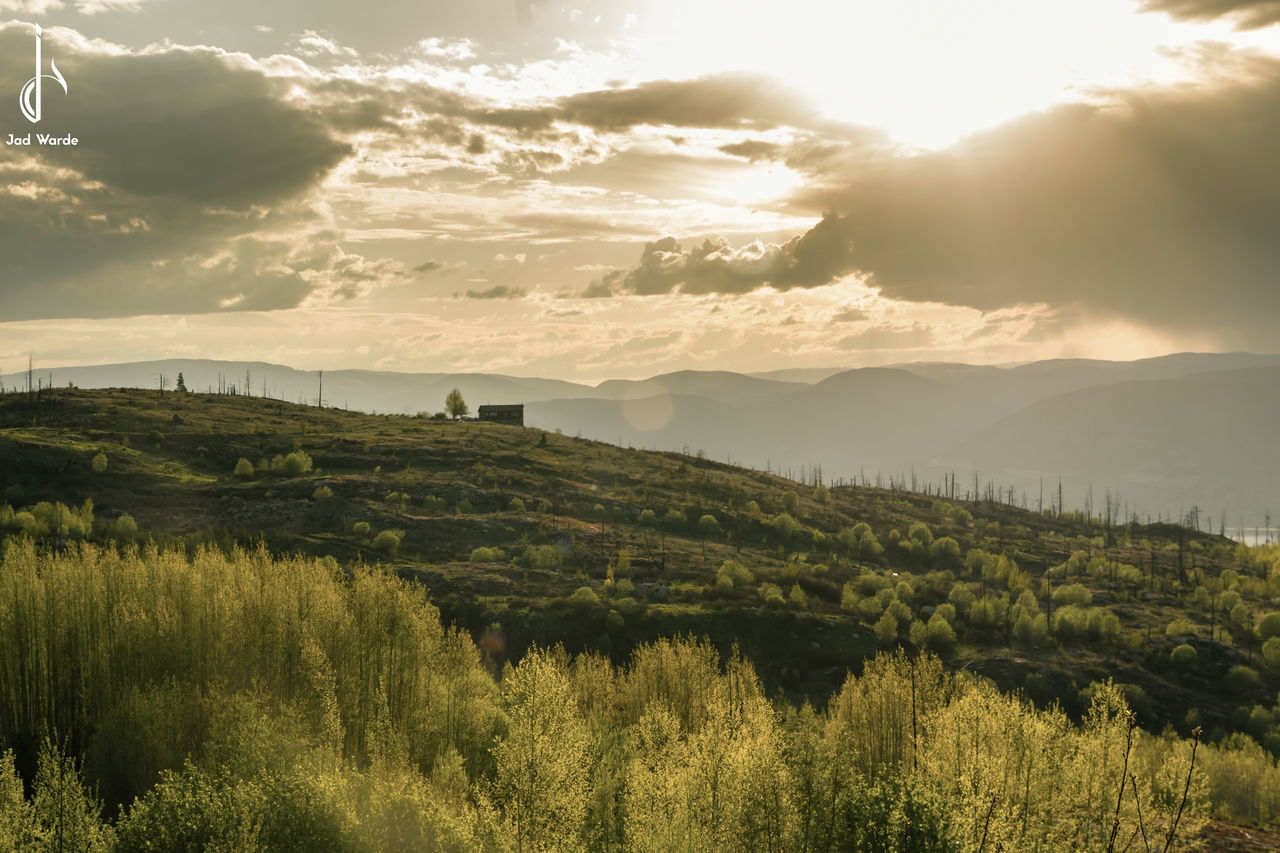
[(1155, 437)]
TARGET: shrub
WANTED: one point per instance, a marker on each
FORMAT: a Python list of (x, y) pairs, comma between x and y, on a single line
[(542, 557), (1240, 679), (1073, 593), (516, 505), (1271, 651), (945, 550), (1184, 656), (99, 462), (920, 532), (323, 493), (486, 555), (1182, 626), (797, 596), (244, 469), (1269, 625), (360, 528), (771, 593), (387, 542), (296, 464), (585, 596)]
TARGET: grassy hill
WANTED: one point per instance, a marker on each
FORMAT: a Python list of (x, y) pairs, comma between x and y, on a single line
[(527, 539), (547, 538)]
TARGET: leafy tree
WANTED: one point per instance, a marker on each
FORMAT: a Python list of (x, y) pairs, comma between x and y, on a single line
[(244, 469), (99, 462), (790, 501), (542, 767), (1184, 656), (455, 405), (797, 596), (387, 542)]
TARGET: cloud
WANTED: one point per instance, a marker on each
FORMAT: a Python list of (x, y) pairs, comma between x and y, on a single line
[(30, 7), (754, 150), (1159, 206), (731, 100), (812, 260), (312, 44), (1247, 14), (498, 292), (189, 190), (429, 266)]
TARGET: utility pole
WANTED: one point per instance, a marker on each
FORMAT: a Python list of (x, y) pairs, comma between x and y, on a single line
[(320, 400)]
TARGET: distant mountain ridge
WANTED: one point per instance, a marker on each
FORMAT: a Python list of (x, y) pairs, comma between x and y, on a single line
[(1164, 433)]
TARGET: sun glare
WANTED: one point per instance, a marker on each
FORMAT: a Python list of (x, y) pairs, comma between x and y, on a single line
[(929, 72)]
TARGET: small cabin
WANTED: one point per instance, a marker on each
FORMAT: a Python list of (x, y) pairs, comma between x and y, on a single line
[(513, 414)]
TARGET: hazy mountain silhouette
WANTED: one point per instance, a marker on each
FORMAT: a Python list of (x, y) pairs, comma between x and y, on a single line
[(1165, 433)]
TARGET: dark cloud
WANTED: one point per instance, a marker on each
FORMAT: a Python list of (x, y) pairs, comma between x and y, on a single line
[(187, 193), (183, 124), (722, 100), (1161, 207), (429, 266), (811, 260), (754, 150), (500, 291), (1247, 14)]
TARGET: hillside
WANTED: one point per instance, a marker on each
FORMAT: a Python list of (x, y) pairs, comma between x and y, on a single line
[(525, 538), (925, 421), (557, 512)]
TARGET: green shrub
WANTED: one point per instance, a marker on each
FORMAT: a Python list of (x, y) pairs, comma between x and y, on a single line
[(1271, 652), (244, 469), (296, 464), (585, 596), (487, 555), (1240, 679), (516, 505), (1184, 656), (323, 493), (99, 462), (361, 528), (387, 542)]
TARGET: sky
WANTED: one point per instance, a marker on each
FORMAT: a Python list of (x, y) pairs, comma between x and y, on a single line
[(591, 189)]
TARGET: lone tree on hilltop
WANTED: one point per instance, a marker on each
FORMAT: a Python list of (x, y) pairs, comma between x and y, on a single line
[(455, 405), (182, 385)]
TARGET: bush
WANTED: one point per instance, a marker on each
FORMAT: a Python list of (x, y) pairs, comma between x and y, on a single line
[(1271, 652), (1073, 593), (797, 596), (323, 493), (296, 464), (1184, 656), (244, 469), (1240, 679), (585, 596), (99, 462), (486, 555), (360, 528), (387, 542), (1180, 627), (516, 505), (542, 557), (945, 550), (1269, 625), (920, 532), (771, 593)]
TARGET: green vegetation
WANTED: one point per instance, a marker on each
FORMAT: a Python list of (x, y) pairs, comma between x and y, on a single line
[(525, 542), (244, 700)]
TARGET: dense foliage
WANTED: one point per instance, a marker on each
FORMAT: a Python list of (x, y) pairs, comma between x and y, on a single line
[(237, 701)]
